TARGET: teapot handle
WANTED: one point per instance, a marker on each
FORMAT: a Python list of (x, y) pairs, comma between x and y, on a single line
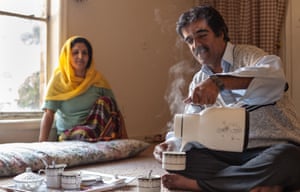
[(41, 171)]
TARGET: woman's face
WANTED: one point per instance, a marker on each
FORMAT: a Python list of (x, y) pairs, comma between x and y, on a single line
[(79, 59)]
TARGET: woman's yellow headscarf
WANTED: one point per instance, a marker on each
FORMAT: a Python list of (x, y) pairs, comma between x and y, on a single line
[(65, 85)]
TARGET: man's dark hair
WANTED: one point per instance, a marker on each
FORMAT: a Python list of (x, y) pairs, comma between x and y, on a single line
[(88, 45), (213, 18)]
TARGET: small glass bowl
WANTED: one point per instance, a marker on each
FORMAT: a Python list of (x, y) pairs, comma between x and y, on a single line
[(28, 180)]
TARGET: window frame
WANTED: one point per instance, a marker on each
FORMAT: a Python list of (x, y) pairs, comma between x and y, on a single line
[(53, 20)]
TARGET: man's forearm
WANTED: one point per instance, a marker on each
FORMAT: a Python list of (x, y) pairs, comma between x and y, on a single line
[(232, 82)]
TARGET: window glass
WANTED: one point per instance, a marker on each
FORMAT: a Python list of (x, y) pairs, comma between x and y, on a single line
[(23, 56), (25, 7)]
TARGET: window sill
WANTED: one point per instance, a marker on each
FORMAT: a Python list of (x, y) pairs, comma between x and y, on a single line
[(20, 115)]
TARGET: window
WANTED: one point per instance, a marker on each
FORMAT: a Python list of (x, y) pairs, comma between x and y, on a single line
[(23, 55)]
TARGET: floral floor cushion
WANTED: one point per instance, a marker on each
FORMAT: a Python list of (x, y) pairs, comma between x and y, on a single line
[(15, 157)]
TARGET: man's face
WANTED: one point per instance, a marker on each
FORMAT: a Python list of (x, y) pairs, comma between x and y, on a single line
[(205, 46)]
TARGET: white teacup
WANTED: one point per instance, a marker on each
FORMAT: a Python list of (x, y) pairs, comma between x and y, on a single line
[(149, 183), (70, 180), (173, 160), (53, 175)]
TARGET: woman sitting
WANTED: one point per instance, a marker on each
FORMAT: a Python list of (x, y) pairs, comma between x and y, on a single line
[(79, 101)]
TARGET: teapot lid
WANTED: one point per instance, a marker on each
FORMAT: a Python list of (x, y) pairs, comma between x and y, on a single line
[(28, 176)]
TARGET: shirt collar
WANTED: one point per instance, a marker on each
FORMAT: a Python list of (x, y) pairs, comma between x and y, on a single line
[(228, 53), (227, 60)]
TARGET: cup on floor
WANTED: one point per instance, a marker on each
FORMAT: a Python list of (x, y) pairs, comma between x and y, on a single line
[(174, 160), (150, 183), (70, 180), (53, 175)]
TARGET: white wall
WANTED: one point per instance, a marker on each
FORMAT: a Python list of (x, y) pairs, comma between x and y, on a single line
[(22, 131), (19, 131), (135, 44), (291, 45)]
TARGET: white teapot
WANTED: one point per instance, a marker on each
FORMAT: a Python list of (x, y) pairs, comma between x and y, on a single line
[(218, 128)]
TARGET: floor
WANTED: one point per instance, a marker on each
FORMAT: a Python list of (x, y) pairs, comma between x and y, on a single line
[(138, 166)]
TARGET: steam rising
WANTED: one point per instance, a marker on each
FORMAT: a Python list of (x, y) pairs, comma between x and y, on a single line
[(178, 89)]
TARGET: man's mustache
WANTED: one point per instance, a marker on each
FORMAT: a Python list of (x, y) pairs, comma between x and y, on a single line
[(199, 50)]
